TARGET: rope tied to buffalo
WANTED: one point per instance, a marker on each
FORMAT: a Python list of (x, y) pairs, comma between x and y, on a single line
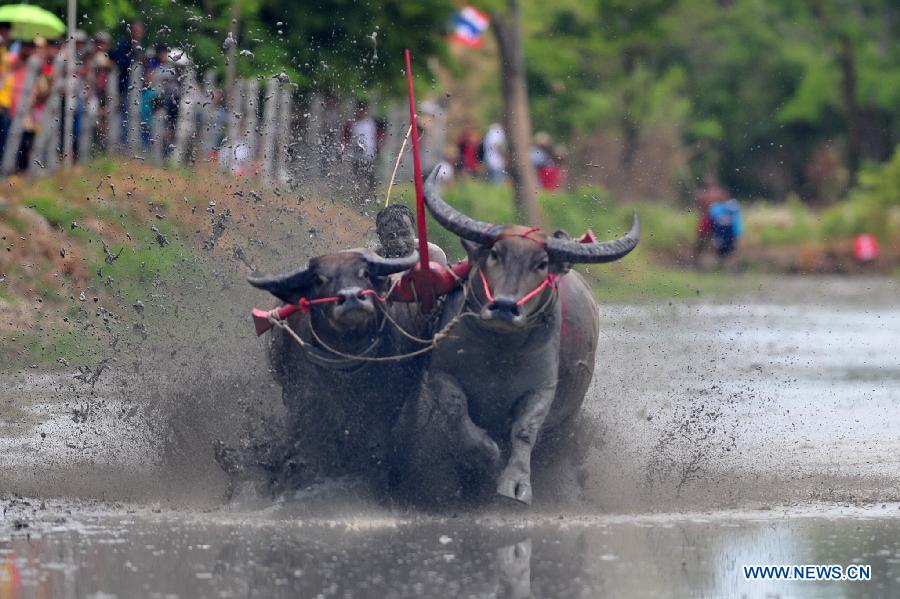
[(437, 338)]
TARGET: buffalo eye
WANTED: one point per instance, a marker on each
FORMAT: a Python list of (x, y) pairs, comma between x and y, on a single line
[(362, 273), (321, 280), (494, 255), (542, 265)]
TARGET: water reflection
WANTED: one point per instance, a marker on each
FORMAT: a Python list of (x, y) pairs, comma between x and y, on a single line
[(252, 556)]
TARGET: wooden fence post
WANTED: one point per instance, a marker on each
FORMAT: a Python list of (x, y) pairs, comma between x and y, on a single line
[(133, 112), (187, 110), (113, 116), (251, 125), (234, 109), (285, 132), (90, 113), (209, 112), (269, 129)]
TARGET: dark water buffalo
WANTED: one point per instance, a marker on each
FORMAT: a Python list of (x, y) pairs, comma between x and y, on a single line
[(520, 364), (342, 410)]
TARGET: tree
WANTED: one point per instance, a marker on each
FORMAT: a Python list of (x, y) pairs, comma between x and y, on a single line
[(507, 27), (348, 46)]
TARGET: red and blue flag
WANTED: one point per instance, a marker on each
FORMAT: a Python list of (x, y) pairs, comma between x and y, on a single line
[(468, 25)]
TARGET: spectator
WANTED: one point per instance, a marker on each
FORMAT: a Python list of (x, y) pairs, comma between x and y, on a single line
[(468, 160), (6, 69), (81, 45), (542, 150), (495, 154), (38, 96), (127, 52), (98, 100), (727, 228), (162, 93), (552, 173), (704, 198)]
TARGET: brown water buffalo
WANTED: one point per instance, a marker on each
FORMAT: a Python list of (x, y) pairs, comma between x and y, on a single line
[(342, 410), (517, 364)]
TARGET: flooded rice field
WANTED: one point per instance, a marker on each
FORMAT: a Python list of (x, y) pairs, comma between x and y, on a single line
[(754, 430)]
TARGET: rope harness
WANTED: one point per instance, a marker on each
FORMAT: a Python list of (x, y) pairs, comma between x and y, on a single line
[(551, 280), (305, 306), (344, 357)]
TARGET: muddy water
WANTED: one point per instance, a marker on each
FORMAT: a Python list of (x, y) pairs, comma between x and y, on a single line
[(757, 430), (91, 552)]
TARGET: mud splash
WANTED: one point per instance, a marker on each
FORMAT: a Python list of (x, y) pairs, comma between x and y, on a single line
[(766, 400)]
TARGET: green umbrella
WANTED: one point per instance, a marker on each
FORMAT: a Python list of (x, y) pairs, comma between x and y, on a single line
[(29, 22)]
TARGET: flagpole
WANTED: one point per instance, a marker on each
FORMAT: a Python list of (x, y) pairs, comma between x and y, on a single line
[(417, 168)]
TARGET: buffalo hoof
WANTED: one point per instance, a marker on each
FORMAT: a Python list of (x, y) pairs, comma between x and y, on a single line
[(484, 453), (515, 484)]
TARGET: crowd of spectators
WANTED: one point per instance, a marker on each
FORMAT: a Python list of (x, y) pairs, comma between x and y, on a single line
[(102, 74), (486, 156)]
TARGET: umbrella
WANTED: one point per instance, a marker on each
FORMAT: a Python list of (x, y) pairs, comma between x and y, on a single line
[(29, 22)]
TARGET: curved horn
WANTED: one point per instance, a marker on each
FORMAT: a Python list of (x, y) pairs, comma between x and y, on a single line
[(289, 288), (453, 220), (565, 250), (381, 267)]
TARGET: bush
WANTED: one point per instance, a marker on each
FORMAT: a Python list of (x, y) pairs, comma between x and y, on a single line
[(873, 205), (588, 207)]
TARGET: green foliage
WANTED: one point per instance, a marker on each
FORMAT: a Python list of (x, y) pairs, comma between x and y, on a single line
[(873, 205), (320, 45), (754, 85), (663, 228)]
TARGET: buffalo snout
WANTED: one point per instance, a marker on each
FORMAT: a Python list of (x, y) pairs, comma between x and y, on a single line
[(353, 306), (503, 310)]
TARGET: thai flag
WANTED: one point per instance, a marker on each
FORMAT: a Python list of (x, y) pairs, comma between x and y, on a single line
[(468, 25)]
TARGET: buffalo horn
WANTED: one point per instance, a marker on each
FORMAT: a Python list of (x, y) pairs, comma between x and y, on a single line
[(289, 288), (453, 220), (382, 267), (566, 250)]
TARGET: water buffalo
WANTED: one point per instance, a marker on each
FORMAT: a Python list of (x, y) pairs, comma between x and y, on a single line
[(342, 410), (520, 363)]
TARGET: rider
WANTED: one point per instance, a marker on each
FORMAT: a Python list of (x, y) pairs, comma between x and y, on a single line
[(395, 226)]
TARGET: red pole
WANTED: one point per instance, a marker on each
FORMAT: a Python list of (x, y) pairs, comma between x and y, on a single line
[(417, 169)]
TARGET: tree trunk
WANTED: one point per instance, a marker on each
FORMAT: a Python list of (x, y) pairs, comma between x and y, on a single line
[(847, 62), (507, 29)]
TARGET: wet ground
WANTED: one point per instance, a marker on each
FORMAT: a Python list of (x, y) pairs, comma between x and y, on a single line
[(750, 431)]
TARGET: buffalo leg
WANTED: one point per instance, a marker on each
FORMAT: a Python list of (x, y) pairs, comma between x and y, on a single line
[(476, 448), (443, 442), (515, 480)]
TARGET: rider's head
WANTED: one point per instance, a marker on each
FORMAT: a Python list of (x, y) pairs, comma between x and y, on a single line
[(394, 226)]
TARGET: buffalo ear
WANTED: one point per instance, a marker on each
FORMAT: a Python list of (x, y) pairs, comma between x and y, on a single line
[(289, 287), (473, 250)]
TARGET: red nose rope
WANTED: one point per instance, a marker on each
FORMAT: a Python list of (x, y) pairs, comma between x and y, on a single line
[(551, 280), (303, 305)]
